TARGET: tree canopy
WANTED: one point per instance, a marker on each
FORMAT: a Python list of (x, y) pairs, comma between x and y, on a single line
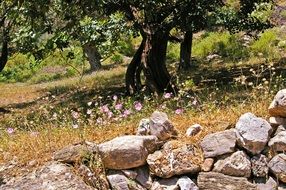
[(97, 25)]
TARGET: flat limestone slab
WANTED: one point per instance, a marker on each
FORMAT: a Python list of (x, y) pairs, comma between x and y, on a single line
[(218, 181)]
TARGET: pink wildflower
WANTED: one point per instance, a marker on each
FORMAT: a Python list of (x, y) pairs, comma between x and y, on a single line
[(99, 120), (138, 106), (75, 114), (126, 113), (109, 114), (104, 108), (168, 95), (115, 98), (118, 106), (10, 130), (179, 111)]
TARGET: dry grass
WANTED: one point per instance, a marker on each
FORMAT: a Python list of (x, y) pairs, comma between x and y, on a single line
[(40, 146), (28, 146)]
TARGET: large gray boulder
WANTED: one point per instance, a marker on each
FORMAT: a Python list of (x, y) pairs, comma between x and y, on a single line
[(238, 164), (218, 181), (277, 107), (173, 160), (127, 151), (278, 166), (55, 176), (278, 142), (219, 143), (253, 132)]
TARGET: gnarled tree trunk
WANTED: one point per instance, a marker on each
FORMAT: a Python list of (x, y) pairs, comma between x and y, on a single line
[(186, 51), (131, 76), (153, 61), (93, 56), (4, 50)]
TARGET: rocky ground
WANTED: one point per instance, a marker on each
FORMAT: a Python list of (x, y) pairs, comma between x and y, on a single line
[(249, 156)]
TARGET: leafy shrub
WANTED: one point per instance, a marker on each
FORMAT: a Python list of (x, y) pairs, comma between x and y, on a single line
[(19, 68), (126, 47), (266, 45), (223, 43), (173, 53), (117, 58)]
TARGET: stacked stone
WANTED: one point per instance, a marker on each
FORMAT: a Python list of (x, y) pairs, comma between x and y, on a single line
[(250, 156)]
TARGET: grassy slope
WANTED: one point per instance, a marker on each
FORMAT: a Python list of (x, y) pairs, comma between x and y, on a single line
[(219, 109)]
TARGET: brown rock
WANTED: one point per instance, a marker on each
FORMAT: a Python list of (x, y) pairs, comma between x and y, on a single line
[(53, 175), (278, 142), (207, 165), (166, 184), (279, 129), (259, 165), (218, 181), (275, 121), (174, 160), (98, 181), (219, 143), (238, 164), (269, 185), (161, 127), (127, 151), (75, 152), (278, 166), (277, 107), (118, 181)]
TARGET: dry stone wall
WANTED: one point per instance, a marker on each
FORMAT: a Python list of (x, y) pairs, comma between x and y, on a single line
[(251, 156)]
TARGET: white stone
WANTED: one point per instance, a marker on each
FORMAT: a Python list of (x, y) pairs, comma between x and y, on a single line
[(194, 130), (219, 143), (253, 132)]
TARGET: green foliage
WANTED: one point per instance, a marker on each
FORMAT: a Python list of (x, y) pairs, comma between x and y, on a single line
[(266, 44), (224, 44), (173, 53), (19, 68), (262, 12), (126, 46), (117, 58), (59, 64)]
